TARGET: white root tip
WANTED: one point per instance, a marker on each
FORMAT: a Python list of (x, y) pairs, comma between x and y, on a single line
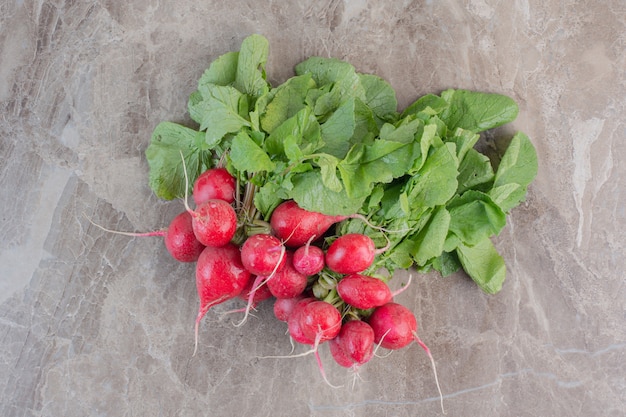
[(249, 305), (404, 287), (380, 343), (432, 362), (130, 234), (195, 347)]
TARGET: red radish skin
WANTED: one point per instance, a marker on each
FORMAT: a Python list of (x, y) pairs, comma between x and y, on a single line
[(320, 321), (220, 276), (296, 226), (364, 292), (312, 322), (294, 325), (288, 282), (214, 223), (263, 254), (214, 184), (351, 253), (179, 238), (354, 345), (395, 327), (339, 355), (284, 306), (308, 259), (260, 294), (181, 241)]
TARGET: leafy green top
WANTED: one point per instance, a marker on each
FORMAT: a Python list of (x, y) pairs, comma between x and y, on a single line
[(332, 140)]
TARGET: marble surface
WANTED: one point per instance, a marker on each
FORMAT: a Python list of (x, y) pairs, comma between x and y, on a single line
[(94, 324)]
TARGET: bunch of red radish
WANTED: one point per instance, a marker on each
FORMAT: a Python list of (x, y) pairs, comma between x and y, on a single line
[(282, 264)]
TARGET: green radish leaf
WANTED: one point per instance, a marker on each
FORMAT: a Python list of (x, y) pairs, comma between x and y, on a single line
[(429, 105), (222, 72), (380, 97), (477, 111), (328, 169), (381, 161), (516, 171), (475, 170), (429, 241), (166, 177), (435, 183), (464, 140), (285, 101), (311, 194), (250, 75), (304, 129), (219, 112), (345, 83), (268, 197), (519, 163), (247, 156), (475, 217), (483, 264), (351, 123), (447, 263)]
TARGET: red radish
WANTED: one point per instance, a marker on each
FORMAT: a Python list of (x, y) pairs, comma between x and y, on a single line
[(220, 276), (339, 355), (214, 184), (263, 254), (308, 259), (179, 238), (354, 345), (351, 253), (395, 327), (313, 322), (296, 226), (287, 283), (181, 241), (320, 321), (294, 325), (259, 294), (364, 292), (284, 306), (214, 222)]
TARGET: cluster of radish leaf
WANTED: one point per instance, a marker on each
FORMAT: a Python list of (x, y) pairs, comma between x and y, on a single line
[(331, 139)]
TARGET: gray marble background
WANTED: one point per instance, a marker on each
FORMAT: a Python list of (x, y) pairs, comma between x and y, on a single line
[(94, 324)]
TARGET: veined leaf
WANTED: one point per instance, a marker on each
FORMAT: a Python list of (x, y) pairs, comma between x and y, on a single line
[(247, 156), (250, 76), (311, 194), (483, 264), (477, 111), (219, 112), (475, 217), (169, 140)]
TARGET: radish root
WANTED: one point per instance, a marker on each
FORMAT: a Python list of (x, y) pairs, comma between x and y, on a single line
[(318, 359), (201, 313), (432, 361), (161, 232), (404, 287), (258, 283)]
